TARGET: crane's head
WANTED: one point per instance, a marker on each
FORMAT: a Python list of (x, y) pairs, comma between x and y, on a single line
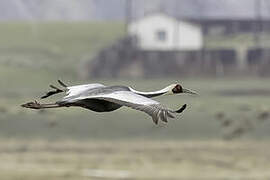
[(177, 88)]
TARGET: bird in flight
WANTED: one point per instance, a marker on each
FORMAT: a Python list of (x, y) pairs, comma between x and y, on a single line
[(101, 98)]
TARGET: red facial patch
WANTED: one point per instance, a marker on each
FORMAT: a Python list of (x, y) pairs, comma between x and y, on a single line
[(177, 89)]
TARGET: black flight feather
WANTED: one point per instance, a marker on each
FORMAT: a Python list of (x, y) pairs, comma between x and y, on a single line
[(181, 109)]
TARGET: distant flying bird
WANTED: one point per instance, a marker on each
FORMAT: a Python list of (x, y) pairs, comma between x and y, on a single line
[(100, 98)]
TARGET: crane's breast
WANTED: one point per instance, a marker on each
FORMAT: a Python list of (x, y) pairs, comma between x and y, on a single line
[(98, 105)]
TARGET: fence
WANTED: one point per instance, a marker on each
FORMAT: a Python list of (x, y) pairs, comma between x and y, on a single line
[(125, 60)]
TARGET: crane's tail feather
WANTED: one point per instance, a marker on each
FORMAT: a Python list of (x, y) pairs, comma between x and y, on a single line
[(36, 105), (50, 93), (54, 87), (61, 83), (56, 90)]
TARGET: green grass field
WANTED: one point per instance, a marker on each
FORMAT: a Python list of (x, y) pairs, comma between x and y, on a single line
[(74, 143), (53, 47)]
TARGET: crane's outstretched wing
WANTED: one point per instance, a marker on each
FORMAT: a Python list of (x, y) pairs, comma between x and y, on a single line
[(71, 91), (75, 91), (135, 101)]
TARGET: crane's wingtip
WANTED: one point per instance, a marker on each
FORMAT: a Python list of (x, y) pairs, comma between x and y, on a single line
[(155, 120), (181, 109)]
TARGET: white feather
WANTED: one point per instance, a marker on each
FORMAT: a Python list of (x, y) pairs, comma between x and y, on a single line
[(77, 90), (124, 96), (167, 90)]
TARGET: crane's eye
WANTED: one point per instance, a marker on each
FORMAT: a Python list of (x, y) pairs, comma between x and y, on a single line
[(177, 89)]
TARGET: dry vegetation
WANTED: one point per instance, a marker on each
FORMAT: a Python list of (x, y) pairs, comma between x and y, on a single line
[(135, 160)]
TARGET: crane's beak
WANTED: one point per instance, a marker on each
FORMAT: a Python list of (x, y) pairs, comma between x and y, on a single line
[(187, 91)]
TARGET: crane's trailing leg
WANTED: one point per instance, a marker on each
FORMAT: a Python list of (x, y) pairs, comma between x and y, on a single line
[(36, 105)]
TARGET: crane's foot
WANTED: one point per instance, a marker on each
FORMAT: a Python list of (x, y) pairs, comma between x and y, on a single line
[(32, 105), (36, 105)]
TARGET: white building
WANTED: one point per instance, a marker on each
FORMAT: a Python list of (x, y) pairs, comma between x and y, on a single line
[(161, 32)]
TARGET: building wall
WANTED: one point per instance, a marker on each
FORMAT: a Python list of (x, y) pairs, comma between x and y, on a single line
[(190, 37), (161, 32)]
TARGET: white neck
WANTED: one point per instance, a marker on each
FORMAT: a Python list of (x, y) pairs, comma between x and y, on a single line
[(164, 91)]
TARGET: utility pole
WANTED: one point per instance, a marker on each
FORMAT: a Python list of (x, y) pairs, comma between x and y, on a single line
[(257, 25), (128, 14)]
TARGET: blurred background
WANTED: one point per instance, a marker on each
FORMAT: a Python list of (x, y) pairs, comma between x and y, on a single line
[(219, 48)]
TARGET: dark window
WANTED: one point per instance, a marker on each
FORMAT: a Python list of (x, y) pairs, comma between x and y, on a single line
[(161, 35)]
